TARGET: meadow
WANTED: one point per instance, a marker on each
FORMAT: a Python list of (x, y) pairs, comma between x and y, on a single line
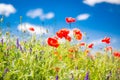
[(38, 59)]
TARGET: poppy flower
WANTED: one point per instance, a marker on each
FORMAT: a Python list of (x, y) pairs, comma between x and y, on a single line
[(56, 53), (70, 20), (70, 56), (60, 57), (116, 54), (68, 38), (52, 42), (77, 33), (73, 49), (90, 45), (82, 44), (31, 29), (106, 40), (109, 48), (62, 33), (86, 52)]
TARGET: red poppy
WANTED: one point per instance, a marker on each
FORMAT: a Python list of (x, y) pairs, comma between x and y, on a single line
[(106, 40), (73, 49), (31, 29), (56, 53), (68, 38), (116, 54), (82, 44), (53, 42), (77, 33), (70, 55), (70, 19), (90, 45), (62, 33), (109, 48), (60, 57)]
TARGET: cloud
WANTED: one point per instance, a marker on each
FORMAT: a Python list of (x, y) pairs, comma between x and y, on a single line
[(35, 13), (93, 2), (83, 16), (38, 29), (49, 15), (39, 13), (6, 9)]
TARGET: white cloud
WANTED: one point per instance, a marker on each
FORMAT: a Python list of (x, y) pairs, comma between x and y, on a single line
[(39, 13), (49, 15), (83, 16), (38, 29), (35, 13), (6, 9), (93, 2)]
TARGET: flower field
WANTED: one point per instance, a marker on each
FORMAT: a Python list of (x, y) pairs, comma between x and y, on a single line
[(33, 59)]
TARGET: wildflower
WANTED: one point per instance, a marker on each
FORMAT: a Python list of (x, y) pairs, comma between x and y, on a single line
[(17, 43), (109, 48), (68, 38), (21, 48), (73, 49), (60, 57), (87, 76), (70, 55), (56, 77), (52, 42), (116, 54), (77, 33), (62, 33), (30, 50), (91, 56), (56, 53), (82, 44), (2, 42), (31, 29), (90, 45), (70, 20), (86, 52), (106, 40), (5, 71)]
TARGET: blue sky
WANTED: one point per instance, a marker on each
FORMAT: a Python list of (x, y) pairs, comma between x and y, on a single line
[(103, 16)]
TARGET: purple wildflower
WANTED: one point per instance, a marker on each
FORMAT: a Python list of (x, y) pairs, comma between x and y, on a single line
[(21, 48), (30, 50), (87, 76), (5, 71), (2, 42), (57, 77), (17, 43)]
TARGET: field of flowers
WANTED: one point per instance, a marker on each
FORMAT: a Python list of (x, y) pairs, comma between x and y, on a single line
[(34, 59)]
